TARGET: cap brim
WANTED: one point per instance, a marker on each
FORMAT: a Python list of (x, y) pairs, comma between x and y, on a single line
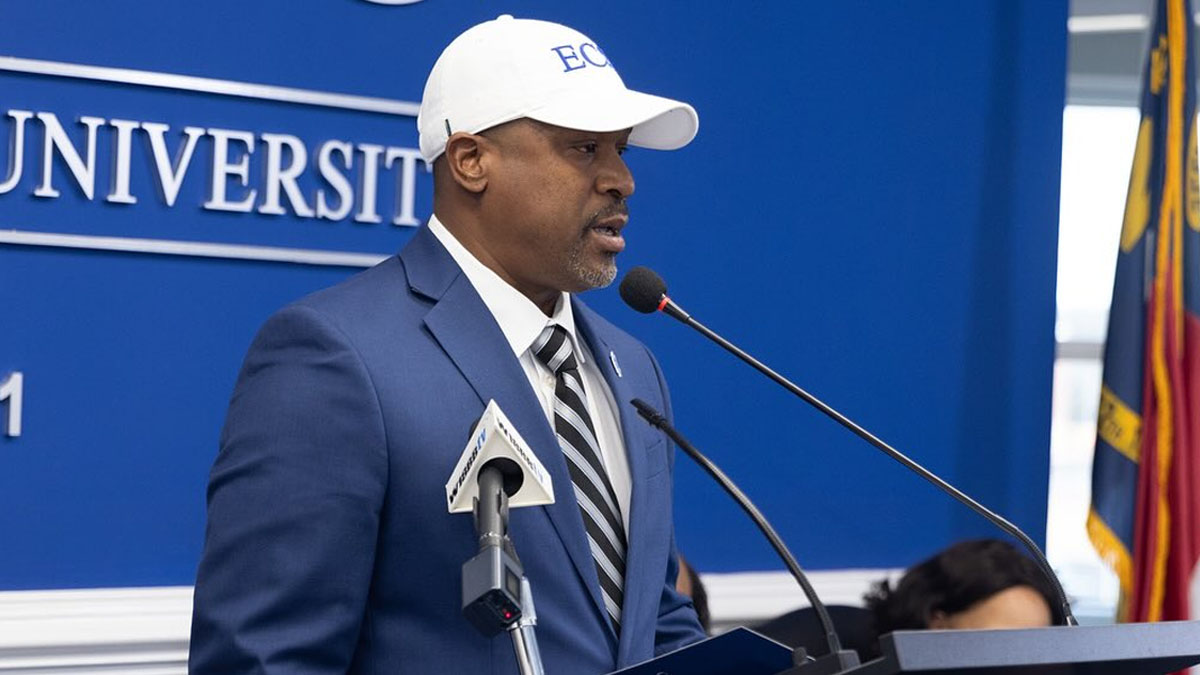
[(658, 123)]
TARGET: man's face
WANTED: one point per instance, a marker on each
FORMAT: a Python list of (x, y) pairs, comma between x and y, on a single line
[(555, 205)]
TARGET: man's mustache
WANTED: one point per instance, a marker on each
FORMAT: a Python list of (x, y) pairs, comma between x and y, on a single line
[(615, 209)]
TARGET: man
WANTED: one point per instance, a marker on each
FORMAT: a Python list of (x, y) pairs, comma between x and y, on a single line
[(329, 548)]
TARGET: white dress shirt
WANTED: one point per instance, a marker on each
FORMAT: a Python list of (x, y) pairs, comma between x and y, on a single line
[(522, 322)]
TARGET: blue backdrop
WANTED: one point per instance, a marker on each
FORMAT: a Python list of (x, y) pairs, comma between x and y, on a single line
[(871, 206)]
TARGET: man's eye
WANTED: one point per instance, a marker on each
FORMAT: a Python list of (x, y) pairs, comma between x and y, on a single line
[(588, 148), (621, 150)]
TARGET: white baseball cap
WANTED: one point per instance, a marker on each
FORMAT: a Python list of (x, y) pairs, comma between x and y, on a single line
[(507, 68)]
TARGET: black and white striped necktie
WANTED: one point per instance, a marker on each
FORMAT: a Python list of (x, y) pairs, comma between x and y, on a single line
[(577, 438)]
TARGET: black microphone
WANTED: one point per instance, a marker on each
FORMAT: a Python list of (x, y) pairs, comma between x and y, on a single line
[(837, 659), (645, 291)]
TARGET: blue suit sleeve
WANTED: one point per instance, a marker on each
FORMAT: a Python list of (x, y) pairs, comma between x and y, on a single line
[(294, 503), (678, 625)]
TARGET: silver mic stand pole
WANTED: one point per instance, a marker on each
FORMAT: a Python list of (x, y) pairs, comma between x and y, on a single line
[(496, 594), (529, 657)]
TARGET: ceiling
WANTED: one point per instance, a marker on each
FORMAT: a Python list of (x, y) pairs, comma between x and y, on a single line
[(1106, 50)]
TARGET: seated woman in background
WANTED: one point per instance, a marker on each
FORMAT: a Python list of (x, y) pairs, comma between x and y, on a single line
[(974, 584)]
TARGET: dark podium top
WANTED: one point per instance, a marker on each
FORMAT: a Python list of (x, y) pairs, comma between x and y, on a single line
[(1126, 649)]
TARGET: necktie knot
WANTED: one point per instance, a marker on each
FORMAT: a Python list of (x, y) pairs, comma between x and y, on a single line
[(553, 348)]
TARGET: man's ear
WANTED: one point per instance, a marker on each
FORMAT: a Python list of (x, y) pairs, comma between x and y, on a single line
[(464, 160)]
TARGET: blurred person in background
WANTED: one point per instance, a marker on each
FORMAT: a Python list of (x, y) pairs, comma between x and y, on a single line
[(979, 584)]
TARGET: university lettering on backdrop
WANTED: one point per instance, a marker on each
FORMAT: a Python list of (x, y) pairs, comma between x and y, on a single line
[(386, 175)]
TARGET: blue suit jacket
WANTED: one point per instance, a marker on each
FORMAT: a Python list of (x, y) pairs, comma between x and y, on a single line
[(329, 548)]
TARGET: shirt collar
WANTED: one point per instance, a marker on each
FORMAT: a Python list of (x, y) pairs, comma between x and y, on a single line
[(519, 318)]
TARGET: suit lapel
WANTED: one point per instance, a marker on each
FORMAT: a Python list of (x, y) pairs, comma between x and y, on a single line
[(464, 327), (643, 587)]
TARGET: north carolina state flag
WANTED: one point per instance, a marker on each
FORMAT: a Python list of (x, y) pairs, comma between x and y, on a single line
[(1145, 515)]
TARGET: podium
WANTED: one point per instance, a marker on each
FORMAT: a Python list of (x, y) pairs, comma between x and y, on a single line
[(1126, 649)]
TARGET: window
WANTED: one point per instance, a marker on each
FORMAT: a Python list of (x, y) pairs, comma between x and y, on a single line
[(1097, 154)]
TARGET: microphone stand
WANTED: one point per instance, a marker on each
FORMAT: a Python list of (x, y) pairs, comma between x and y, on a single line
[(496, 594), (838, 660), (524, 639), (668, 307)]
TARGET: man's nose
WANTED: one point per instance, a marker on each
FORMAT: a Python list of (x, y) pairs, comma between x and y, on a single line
[(616, 178)]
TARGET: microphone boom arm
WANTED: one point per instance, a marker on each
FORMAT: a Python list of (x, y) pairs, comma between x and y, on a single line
[(837, 659), (669, 307)]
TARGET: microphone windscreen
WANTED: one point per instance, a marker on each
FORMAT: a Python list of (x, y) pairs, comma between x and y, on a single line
[(511, 473), (643, 290)]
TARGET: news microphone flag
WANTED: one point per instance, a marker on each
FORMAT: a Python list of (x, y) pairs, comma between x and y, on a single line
[(1145, 512), (495, 438)]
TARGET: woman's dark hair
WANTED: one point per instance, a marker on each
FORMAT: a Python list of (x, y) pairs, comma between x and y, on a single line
[(954, 580)]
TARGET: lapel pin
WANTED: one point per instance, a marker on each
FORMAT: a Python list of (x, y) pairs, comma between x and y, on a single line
[(612, 356)]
